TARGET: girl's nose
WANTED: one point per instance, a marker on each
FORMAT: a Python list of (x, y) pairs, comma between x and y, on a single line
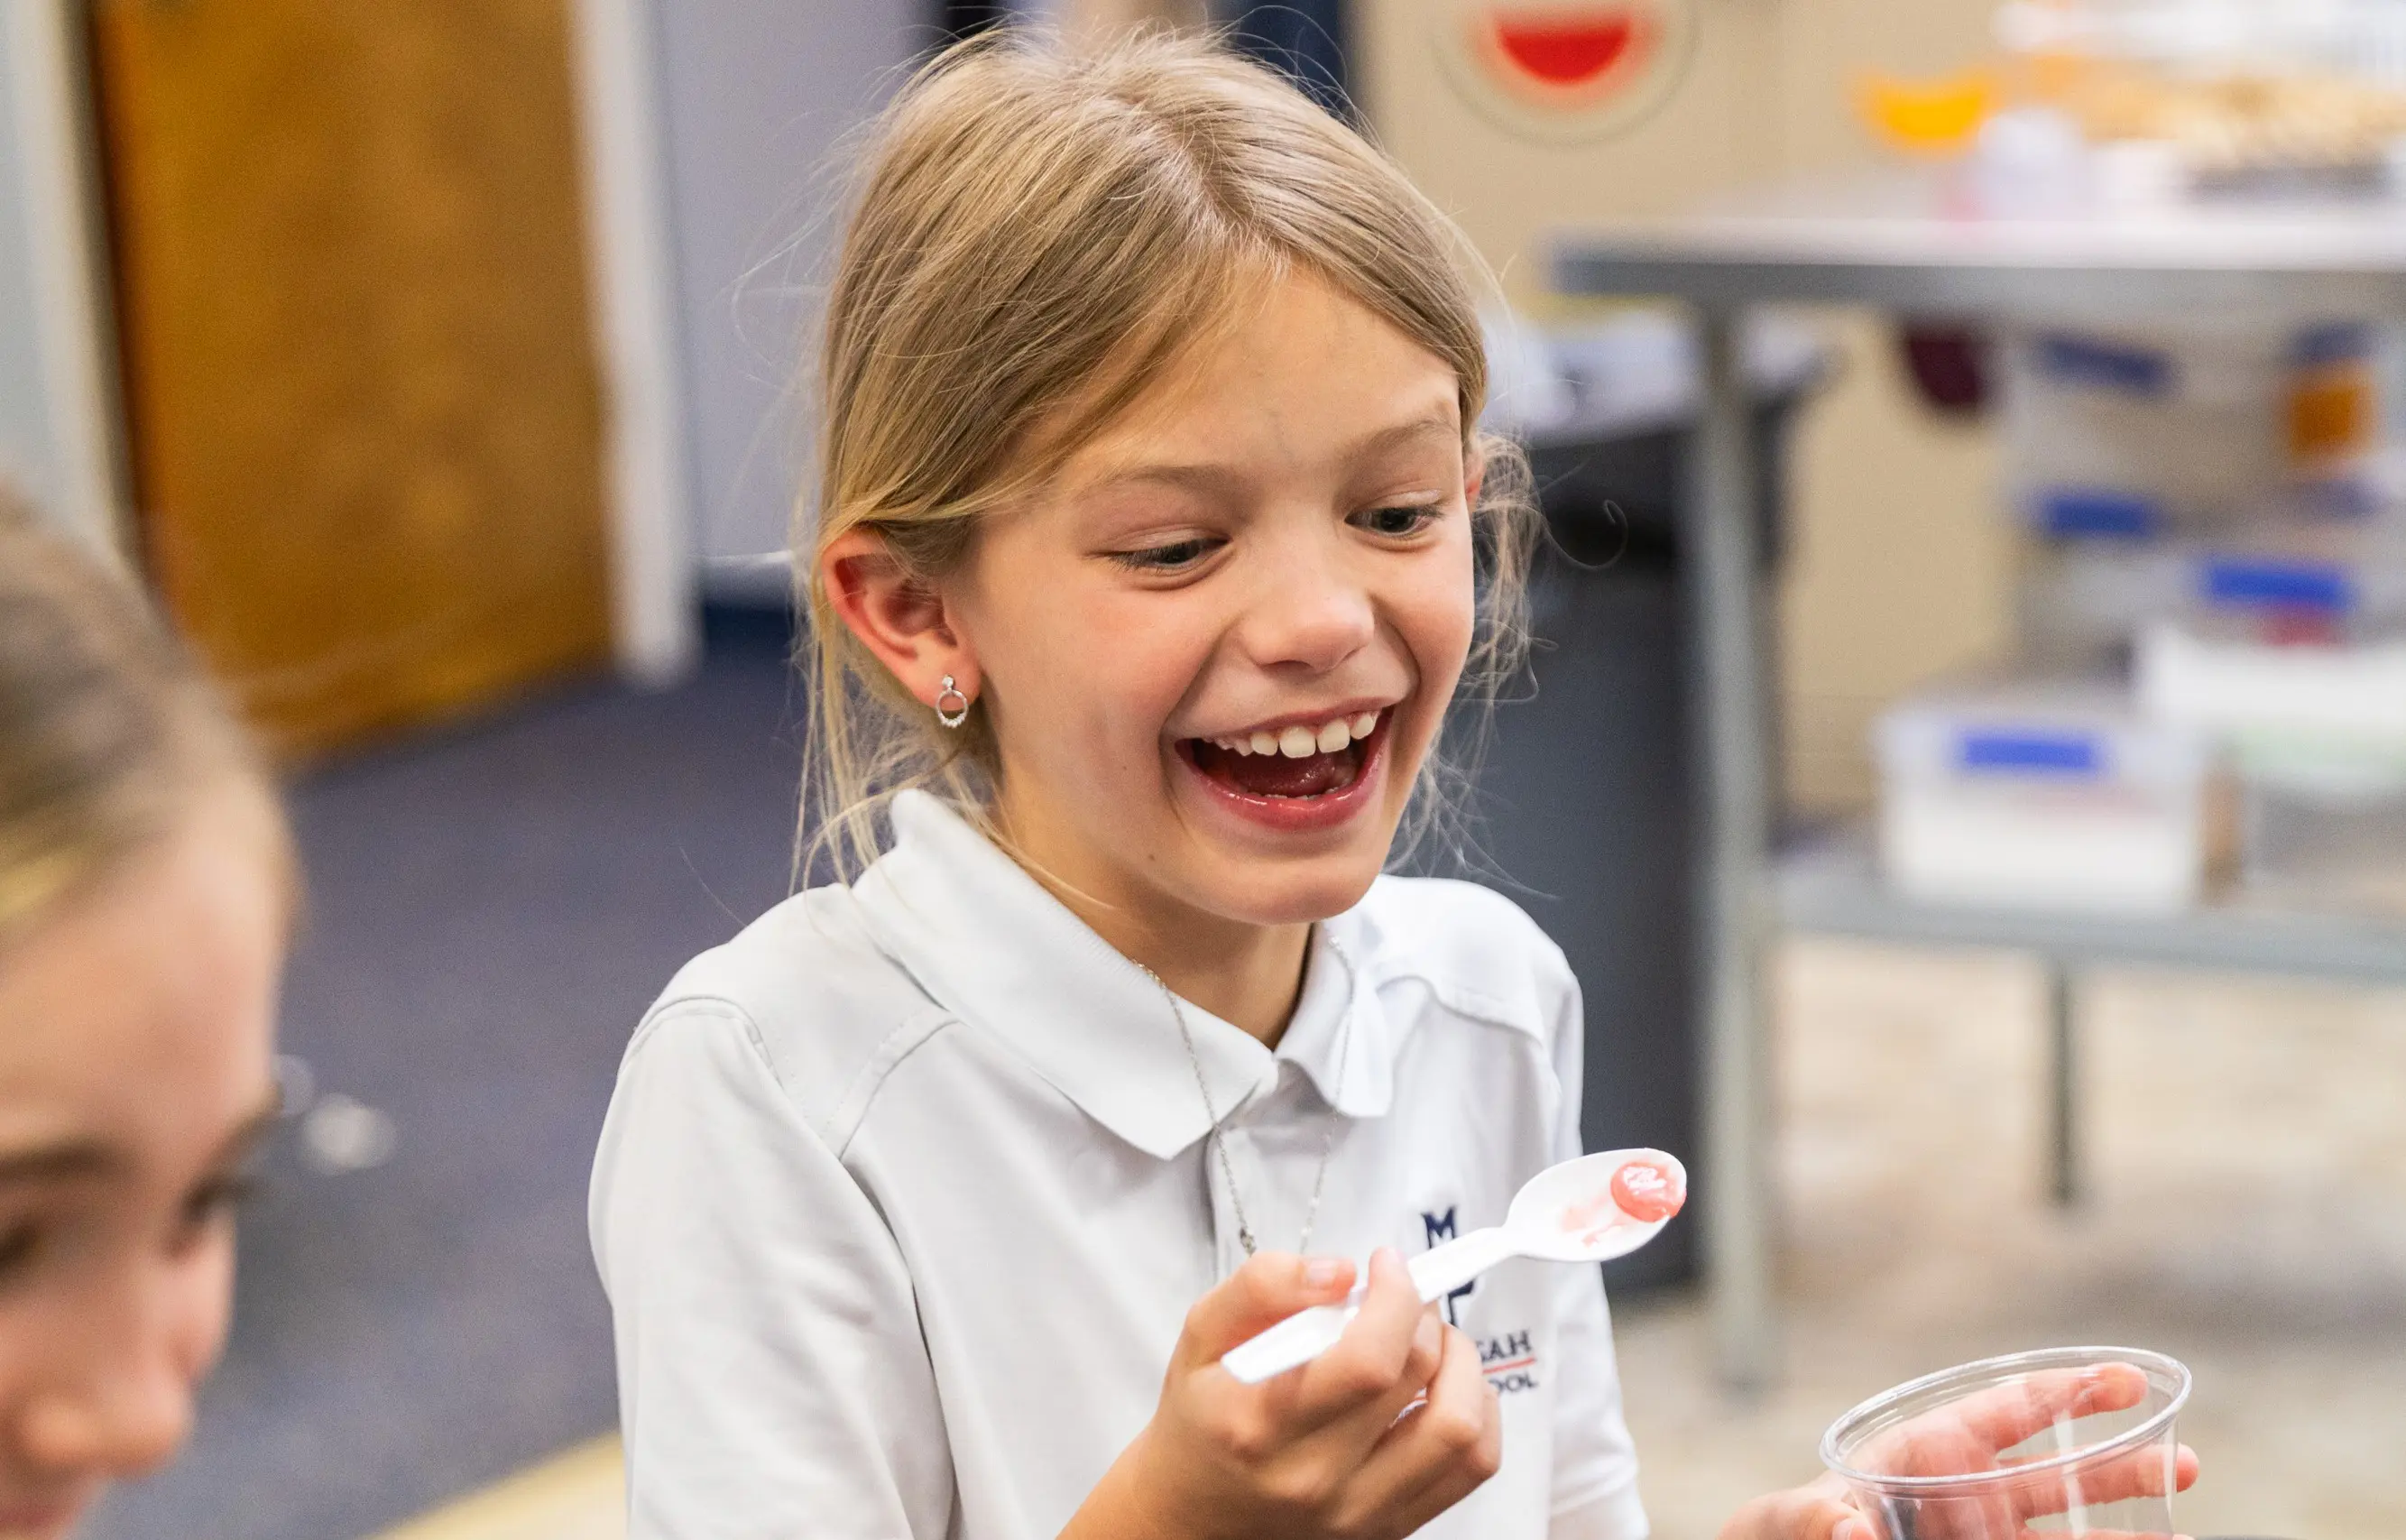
[(122, 1403), (1311, 615), (127, 1425)]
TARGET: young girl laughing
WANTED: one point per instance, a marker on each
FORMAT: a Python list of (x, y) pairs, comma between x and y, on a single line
[(1156, 543)]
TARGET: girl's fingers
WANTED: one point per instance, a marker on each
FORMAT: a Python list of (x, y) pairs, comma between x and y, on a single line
[(2138, 1475), (1385, 1358), (1440, 1452), (2002, 1418), (1266, 1290), (2104, 1535), (1817, 1512)]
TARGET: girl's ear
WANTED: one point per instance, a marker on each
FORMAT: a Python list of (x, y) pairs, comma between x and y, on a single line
[(902, 622)]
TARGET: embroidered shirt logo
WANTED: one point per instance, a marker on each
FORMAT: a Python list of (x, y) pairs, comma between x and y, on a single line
[(1444, 1227), (1509, 1361)]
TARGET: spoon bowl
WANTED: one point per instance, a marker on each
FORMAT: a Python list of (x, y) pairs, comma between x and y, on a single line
[(1598, 1207)]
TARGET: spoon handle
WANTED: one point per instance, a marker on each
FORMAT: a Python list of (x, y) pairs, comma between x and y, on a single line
[(1292, 1343), (1308, 1334), (1441, 1269)]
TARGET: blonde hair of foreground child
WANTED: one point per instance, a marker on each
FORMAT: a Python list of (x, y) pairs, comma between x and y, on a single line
[(146, 885), (108, 732), (1037, 241)]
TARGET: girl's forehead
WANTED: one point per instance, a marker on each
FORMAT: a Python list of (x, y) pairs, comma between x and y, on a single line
[(106, 1034), (1305, 364)]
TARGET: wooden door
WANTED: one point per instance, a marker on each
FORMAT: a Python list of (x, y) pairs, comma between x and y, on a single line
[(364, 404)]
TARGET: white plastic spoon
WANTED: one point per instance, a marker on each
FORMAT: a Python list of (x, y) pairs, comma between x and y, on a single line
[(1590, 1210)]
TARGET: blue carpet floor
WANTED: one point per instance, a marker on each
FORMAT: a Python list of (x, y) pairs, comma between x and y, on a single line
[(488, 912)]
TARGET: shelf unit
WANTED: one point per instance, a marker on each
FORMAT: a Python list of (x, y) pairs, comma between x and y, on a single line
[(1912, 245), (1830, 885)]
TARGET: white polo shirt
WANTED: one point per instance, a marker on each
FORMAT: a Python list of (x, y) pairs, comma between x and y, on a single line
[(902, 1199)]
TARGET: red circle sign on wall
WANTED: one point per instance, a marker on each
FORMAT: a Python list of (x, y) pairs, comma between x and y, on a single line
[(1563, 69)]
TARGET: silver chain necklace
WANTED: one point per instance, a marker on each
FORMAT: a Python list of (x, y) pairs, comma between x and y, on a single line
[(1220, 1145)]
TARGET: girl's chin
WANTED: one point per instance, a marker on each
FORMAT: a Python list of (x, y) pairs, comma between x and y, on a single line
[(1286, 865)]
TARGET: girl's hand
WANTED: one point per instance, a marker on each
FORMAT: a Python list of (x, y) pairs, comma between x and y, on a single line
[(1343, 1448), (1967, 1437)]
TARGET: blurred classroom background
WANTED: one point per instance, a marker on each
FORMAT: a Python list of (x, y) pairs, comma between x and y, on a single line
[(437, 365)]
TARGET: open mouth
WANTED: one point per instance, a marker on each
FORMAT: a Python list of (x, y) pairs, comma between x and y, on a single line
[(1294, 763)]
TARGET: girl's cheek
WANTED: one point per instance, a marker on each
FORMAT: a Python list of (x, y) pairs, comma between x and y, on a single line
[(1438, 621), (27, 1329), (1144, 659), (1439, 617)]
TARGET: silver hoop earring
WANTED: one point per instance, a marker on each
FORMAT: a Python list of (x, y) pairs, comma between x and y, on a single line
[(952, 716)]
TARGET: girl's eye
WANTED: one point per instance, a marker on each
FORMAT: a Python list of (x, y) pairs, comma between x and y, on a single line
[(1398, 522), (19, 1244), (212, 1201), (1175, 555)]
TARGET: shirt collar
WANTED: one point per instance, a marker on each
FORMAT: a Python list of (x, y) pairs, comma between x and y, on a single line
[(991, 945)]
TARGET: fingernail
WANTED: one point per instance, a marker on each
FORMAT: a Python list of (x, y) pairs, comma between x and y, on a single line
[(1323, 1272), (1853, 1529), (1424, 1335)]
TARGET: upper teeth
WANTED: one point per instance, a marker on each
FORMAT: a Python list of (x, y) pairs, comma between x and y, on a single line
[(1299, 741)]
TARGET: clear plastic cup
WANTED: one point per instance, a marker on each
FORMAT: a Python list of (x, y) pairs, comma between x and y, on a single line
[(2065, 1441)]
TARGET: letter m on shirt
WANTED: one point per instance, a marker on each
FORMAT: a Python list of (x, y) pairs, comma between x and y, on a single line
[(1444, 1227)]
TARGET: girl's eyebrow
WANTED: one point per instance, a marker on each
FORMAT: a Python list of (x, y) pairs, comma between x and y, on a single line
[(64, 1161), (1435, 424), (85, 1159), (1206, 477)]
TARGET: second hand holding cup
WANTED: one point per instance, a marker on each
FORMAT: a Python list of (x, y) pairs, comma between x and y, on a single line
[(1590, 1210), (2039, 1446)]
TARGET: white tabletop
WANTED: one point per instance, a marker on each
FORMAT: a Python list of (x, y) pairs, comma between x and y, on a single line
[(1903, 241)]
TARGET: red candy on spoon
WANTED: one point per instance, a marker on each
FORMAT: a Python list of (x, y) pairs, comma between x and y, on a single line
[(1648, 1191)]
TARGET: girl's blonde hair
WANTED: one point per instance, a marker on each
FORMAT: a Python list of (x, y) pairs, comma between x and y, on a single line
[(1037, 236), (110, 735)]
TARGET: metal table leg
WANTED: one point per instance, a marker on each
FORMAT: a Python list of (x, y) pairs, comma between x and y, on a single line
[(2064, 1088), (1731, 735)]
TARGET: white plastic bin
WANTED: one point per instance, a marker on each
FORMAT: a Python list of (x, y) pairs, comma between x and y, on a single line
[(2188, 676), (2324, 822), (2052, 796), (2080, 603), (2083, 603), (2137, 433)]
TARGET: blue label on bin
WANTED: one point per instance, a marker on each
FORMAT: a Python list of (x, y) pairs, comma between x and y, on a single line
[(2339, 342), (2092, 513), (2255, 584), (2339, 497), (2011, 751), (2108, 365)]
